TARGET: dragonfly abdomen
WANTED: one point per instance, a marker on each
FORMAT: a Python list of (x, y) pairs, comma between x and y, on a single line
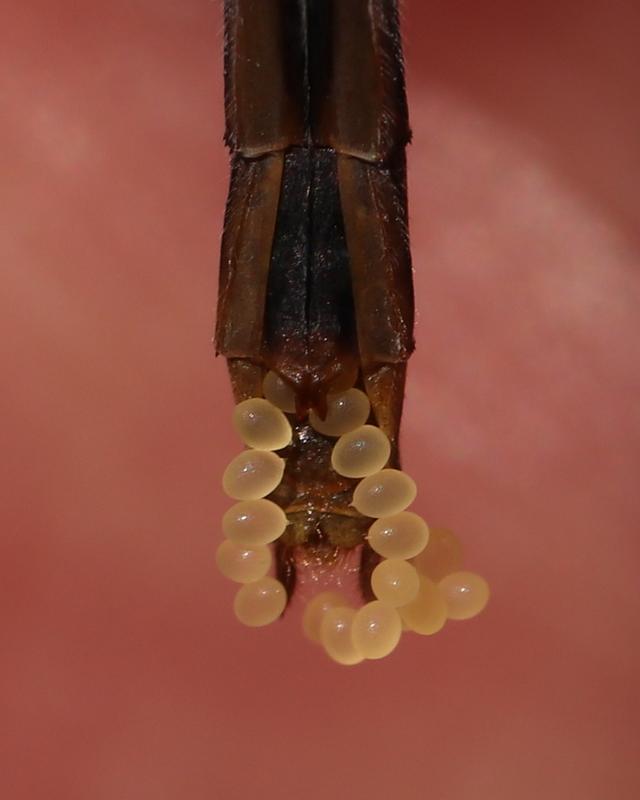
[(315, 318)]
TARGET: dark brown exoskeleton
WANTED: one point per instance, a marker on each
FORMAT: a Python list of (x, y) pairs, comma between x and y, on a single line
[(315, 272)]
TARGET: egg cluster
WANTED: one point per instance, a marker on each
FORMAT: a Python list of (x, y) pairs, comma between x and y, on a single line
[(254, 522), (415, 592), (418, 584)]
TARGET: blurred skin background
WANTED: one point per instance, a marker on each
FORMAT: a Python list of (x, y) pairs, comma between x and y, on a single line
[(123, 674)]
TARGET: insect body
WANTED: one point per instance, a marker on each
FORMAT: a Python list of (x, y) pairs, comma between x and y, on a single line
[(315, 308)]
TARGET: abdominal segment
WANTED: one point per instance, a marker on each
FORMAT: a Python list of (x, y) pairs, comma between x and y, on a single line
[(309, 323)]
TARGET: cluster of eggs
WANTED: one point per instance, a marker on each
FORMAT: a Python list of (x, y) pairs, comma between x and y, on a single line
[(254, 522), (417, 587), (418, 584)]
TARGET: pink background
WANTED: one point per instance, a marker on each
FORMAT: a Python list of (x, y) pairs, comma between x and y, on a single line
[(123, 674)]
